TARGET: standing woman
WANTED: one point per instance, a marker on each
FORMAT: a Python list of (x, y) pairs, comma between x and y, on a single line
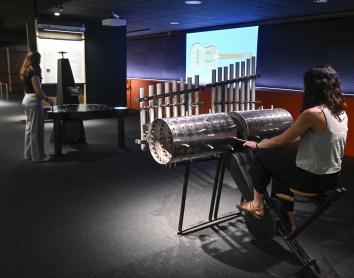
[(30, 73), (322, 128)]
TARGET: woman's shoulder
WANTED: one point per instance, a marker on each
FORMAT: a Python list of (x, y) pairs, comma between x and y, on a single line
[(32, 71), (313, 111), (313, 114)]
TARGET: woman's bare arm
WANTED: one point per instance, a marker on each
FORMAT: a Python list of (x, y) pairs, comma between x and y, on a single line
[(304, 122), (38, 89)]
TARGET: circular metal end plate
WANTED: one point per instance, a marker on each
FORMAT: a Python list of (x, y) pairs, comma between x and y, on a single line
[(161, 142)]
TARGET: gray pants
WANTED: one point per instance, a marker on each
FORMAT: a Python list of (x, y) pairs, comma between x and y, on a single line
[(34, 134)]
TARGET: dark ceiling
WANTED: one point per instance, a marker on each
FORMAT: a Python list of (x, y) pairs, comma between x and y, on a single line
[(155, 16)]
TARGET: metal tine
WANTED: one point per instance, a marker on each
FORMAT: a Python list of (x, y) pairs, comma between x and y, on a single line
[(151, 104), (231, 88), (196, 96), (159, 100), (237, 86), (182, 98), (243, 89), (253, 83), (175, 99), (219, 91), (189, 97), (248, 85), (213, 91), (167, 100), (226, 90)]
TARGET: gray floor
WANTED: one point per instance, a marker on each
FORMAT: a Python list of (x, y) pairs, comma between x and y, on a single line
[(100, 211)]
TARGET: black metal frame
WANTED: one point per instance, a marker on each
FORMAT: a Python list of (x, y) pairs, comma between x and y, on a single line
[(213, 218), (293, 245), (290, 237), (309, 265), (324, 205)]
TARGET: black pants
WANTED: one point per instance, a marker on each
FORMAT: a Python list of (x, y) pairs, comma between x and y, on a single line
[(278, 166)]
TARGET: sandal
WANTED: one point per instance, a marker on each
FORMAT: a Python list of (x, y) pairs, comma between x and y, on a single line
[(256, 212)]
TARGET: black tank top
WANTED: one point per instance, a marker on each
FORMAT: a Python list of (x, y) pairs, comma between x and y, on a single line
[(30, 72)]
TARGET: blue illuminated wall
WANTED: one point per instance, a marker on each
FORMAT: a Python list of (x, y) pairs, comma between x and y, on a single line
[(285, 52)]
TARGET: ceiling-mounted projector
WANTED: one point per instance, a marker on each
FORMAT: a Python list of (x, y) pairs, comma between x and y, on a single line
[(115, 22)]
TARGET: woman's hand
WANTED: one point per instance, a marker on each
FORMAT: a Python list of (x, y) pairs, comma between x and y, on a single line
[(50, 101), (250, 144)]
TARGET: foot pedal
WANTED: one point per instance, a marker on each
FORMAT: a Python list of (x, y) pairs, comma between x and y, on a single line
[(319, 268), (262, 229)]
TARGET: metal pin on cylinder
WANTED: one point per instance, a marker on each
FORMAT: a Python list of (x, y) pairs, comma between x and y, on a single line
[(151, 104), (189, 97), (182, 99), (196, 95), (219, 91), (167, 100), (213, 90)]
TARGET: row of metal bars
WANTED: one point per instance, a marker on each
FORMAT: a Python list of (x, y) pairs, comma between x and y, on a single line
[(2, 87), (236, 96)]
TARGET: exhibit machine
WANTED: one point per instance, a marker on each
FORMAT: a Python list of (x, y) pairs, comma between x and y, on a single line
[(176, 134), (68, 115)]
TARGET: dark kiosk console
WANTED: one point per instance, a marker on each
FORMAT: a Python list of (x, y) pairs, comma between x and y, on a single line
[(68, 115), (80, 112)]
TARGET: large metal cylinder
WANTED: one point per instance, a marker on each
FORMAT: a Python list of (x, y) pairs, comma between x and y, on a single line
[(178, 139), (264, 123)]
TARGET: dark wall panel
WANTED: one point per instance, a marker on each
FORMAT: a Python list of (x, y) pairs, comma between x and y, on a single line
[(285, 52), (157, 58), (106, 64)]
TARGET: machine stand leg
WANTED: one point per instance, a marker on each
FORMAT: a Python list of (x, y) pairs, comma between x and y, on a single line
[(183, 201), (216, 180), (220, 184)]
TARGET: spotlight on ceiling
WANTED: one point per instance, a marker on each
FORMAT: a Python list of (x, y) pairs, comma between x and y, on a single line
[(59, 11), (193, 2), (320, 1), (174, 23)]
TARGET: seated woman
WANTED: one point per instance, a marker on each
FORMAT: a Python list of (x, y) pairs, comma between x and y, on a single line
[(322, 127)]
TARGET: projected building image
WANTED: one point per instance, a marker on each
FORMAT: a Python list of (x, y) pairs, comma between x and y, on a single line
[(211, 49)]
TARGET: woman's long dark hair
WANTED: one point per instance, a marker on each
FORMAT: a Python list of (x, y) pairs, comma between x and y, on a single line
[(32, 59), (322, 86)]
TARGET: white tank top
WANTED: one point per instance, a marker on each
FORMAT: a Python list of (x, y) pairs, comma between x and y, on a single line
[(323, 153)]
